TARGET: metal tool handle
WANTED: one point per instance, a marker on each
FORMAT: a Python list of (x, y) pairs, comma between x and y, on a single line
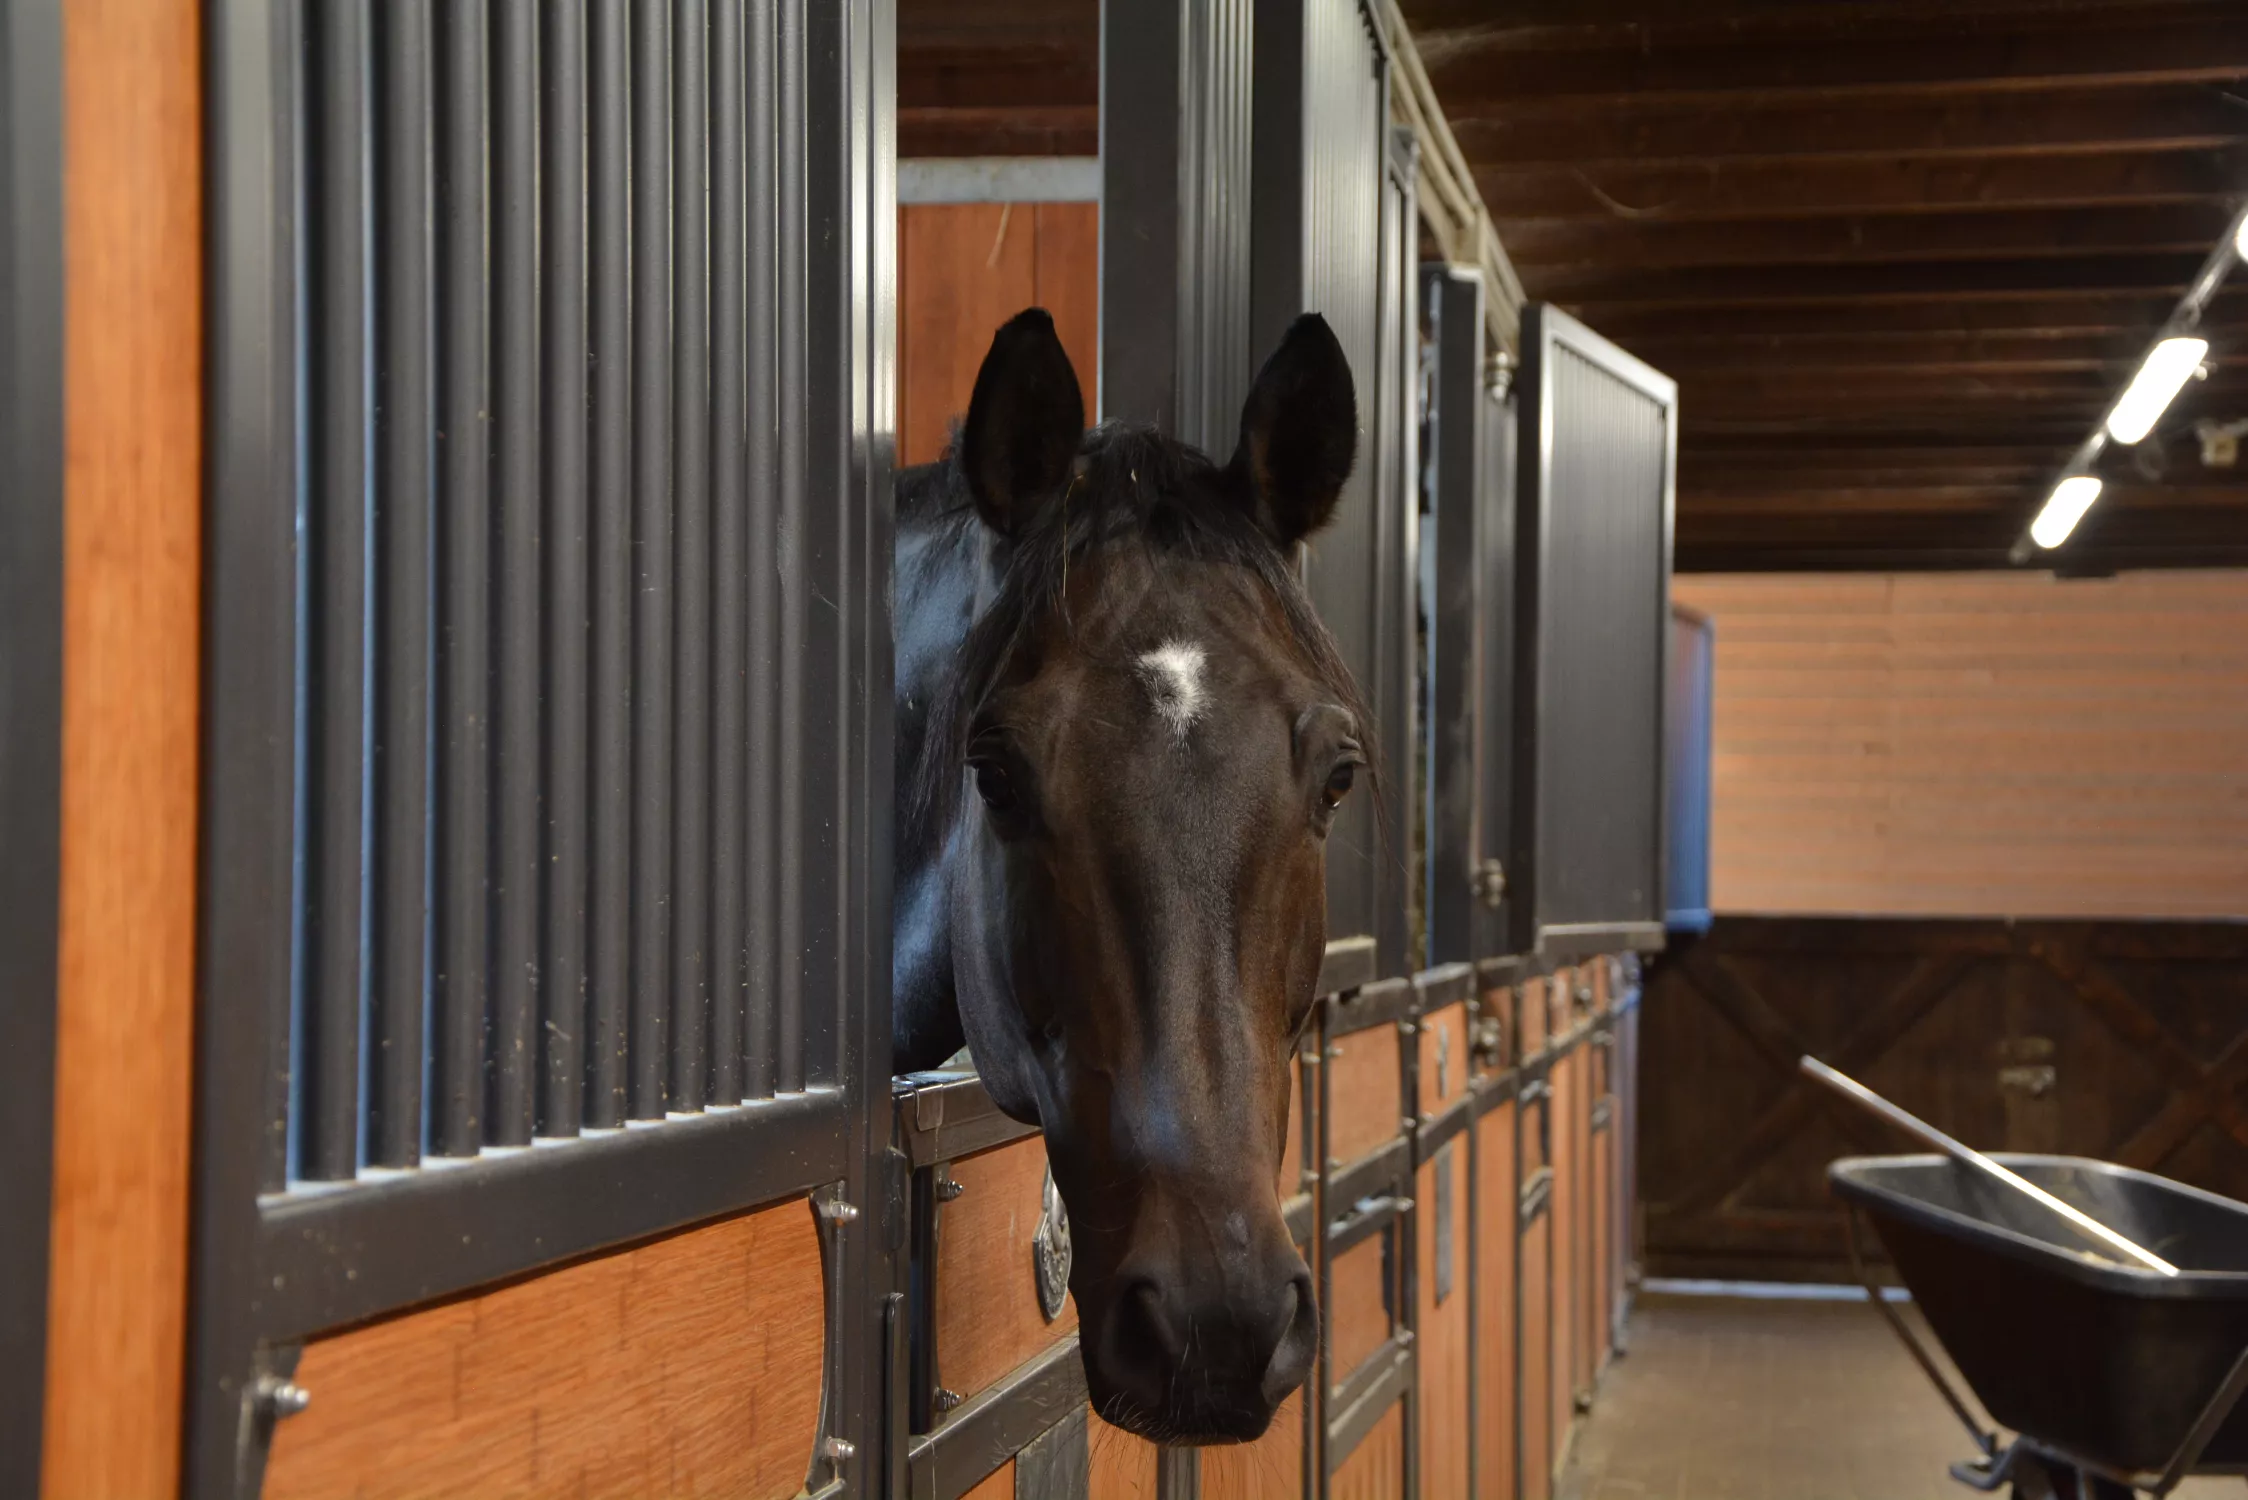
[(1865, 1098)]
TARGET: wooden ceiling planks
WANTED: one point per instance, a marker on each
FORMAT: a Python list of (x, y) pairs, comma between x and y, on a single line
[(1900, 254)]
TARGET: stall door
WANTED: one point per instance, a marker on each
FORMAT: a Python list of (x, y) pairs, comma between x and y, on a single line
[(542, 907)]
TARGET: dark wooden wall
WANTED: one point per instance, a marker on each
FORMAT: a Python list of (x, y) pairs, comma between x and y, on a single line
[(2126, 1041)]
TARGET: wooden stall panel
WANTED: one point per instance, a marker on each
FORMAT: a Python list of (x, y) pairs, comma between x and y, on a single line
[(1442, 1341), (1564, 1266), (1375, 1469), (1532, 1013), (1604, 1241), (966, 268), (1300, 1097), (1534, 1373), (1495, 1246), (1358, 1308), (1122, 1466), (1271, 1468), (1365, 1092), (999, 1484), (988, 1318), (1444, 1057), (687, 1366)]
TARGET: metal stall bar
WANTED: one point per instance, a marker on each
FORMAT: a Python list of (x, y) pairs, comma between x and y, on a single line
[(1174, 184), (796, 176), (516, 875), (31, 613), (729, 554), (767, 356), (327, 1078), (399, 752), (463, 664), (609, 846), (691, 423), (563, 424)]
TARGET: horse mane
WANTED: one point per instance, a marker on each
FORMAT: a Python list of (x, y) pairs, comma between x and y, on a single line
[(1133, 486)]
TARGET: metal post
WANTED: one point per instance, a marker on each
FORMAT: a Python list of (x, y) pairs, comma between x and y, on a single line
[(1175, 216)]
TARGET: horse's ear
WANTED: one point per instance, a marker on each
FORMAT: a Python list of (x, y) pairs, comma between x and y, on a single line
[(1024, 425), (1299, 433)]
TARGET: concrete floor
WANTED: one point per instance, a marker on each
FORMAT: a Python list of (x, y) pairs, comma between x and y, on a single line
[(1730, 1399)]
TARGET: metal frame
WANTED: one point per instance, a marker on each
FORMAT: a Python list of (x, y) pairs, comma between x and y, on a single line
[(999, 179), (31, 668), (1174, 217), (274, 1262), (1544, 330)]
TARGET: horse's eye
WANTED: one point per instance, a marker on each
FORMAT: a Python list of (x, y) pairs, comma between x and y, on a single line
[(994, 785), (1338, 784)]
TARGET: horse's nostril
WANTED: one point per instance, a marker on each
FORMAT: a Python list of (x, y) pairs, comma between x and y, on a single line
[(1138, 1344), (1296, 1340)]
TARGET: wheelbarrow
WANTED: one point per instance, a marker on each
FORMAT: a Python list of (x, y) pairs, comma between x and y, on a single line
[(2122, 1369)]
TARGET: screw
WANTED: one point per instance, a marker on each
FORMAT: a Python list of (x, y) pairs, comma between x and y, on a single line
[(840, 1212), (947, 1189), (947, 1400), (838, 1451), (281, 1397)]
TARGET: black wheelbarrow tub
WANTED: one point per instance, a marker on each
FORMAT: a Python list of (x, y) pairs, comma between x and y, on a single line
[(2103, 1361)]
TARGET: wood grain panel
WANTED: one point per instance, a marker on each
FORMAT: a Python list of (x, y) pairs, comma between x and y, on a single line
[(988, 1318), (1495, 1292), (999, 1484), (1357, 1308), (1365, 1091), (1534, 1373), (1603, 1244), (1979, 744), (1565, 1267), (1271, 1468), (1375, 1469), (966, 268), (1122, 1466), (132, 483), (1444, 1049), (1300, 1099), (1532, 1015), (687, 1366), (1442, 1342)]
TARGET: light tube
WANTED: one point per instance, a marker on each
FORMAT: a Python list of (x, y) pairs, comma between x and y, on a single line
[(2070, 499), (2169, 365)]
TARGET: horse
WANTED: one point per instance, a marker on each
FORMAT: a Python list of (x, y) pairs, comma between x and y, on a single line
[(1122, 735)]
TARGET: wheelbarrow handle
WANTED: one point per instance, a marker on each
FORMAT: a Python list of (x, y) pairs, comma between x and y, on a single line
[(1865, 1098)]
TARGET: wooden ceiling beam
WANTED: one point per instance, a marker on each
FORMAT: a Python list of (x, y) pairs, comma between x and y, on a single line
[(1660, 196), (1948, 499), (1600, 290), (1477, 71), (1064, 130), (1562, 23), (2144, 310), (998, 77), (2155, 228), (1726, 132)]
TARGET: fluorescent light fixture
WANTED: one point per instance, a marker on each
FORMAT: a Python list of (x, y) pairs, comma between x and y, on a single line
[(2071, 498), (2240, 238), (2169, 365)]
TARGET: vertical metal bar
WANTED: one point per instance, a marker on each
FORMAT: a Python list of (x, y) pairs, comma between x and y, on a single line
[(398, 958), (459, 904), (690, 353), (252, 633), (651, 503), (32, 270), (729, 560), (609, 886), (562, 423), (761, 835), (789, 555), (328, 1111), (515, 359)]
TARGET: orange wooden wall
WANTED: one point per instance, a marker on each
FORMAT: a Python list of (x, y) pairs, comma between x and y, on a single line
[(1979, 744), (966, 268), (132, 317)]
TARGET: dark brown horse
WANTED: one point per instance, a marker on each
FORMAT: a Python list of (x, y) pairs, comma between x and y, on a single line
[(1122, 735)]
